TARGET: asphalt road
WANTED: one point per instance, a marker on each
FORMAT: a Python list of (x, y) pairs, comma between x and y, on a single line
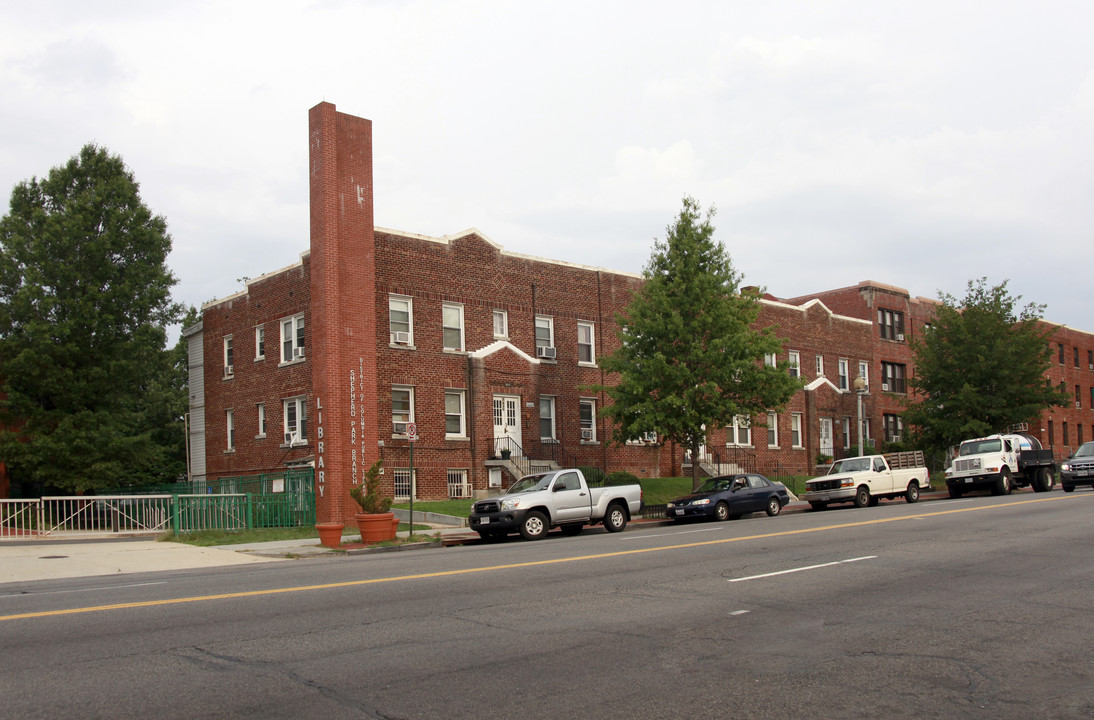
[(979, 607)]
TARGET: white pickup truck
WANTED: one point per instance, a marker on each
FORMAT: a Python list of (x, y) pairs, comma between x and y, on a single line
[(864, 480), (536, 503)]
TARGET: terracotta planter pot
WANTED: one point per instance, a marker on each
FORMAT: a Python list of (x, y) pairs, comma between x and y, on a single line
[(394, 527), (330, 534), (375, 527)]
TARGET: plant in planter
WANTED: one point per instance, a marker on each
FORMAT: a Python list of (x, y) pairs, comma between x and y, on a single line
[(375, 519)]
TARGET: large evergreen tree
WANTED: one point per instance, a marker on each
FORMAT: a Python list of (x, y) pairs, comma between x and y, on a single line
[(980, 367), (84, 306), (689, 357)]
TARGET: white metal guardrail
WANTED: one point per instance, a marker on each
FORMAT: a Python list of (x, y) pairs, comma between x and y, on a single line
[(84, 516)]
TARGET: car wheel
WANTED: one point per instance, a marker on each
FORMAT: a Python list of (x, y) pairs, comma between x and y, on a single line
[(1068, 488), (721, 512), (912, 493), (616, 519), (572, 529), (862, 497), (534, 526), (774, 507), (1048, 480), (955, 492), (818, 505), (1002, 485)]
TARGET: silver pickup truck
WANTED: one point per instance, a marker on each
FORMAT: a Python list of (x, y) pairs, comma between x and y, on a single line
[(560, 498)]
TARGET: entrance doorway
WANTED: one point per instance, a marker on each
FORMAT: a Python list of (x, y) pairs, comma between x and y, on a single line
[(507, 424)]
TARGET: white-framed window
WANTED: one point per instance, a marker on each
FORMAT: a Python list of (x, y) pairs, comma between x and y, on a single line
[(458, 487), (795, 364), (864, 373), (545, 337), (586, 349), (404, 483), (452, 326), (402, 409), (400, 313), (229, 357), (820, 366), (847, 433), (866, 431), (295, 420), (292, 339), (455, 422), (844, 374), (547, 428), (772, 430), (740, 432), (796, 430), (587, 419), (770, 359), (261, 408), (230, 429), (501, 324), (892, 427), (260, 342)]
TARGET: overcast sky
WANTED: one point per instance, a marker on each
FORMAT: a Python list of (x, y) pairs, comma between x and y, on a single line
[(916, 144)]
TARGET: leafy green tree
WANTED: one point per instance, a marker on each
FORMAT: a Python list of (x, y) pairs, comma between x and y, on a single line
[(980, 368), (689, 357), (84, 306)]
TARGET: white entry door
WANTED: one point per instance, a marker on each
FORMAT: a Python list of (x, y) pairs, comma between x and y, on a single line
[(826, 445), (507, 424)]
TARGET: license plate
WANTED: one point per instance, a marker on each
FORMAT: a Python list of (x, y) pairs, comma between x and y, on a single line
[(484, 521), (968, 480), (1082, 473), (679, 512)]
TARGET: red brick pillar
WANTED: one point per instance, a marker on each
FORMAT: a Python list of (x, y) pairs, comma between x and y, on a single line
[(342, 412)]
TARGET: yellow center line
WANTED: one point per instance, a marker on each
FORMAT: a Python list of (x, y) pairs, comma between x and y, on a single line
[(492, 568)]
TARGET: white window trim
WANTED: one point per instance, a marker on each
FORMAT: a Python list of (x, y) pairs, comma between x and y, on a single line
[(740, 422), (504, 315), (864, 373), (550, 330), (296, 350), (398, 473), (459, 310), (771, 360), (460, 475), (462, 395), (554, 418), (848, 442), (796, 420), (410, 418), (582, 402), (301, 405), (844, 374), (772, 429), (229, 431), (409, 345), (820, 366), (795, 363), (261, 410), (592, 343), (228, 348), (260, 342)]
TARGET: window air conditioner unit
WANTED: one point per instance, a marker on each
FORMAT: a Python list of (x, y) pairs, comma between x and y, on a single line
[(900, 337), (1091, 367), (229, 370), (585, 434), (400, 428), (289, 438), (402, 338), (545, 351), (885, 387), (298, 353)]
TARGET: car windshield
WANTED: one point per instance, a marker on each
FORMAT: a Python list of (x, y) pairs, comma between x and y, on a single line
[(530, 483), (716, 484), (1085, 450), (977, 447), (850, 465)]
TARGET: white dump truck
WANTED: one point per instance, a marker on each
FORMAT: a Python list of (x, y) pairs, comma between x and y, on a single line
[(1000, 463), (864, 480)]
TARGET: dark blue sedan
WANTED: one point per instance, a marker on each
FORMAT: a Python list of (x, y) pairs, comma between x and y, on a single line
[(729, 497)]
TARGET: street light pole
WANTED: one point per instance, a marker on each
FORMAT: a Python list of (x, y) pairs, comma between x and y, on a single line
[(860, 390)]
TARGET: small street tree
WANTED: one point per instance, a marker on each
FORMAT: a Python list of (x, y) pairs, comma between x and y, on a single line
[(980, 368), (689, 357), (84, 306)]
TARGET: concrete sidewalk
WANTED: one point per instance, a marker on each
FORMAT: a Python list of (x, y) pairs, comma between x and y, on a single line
[(31, 560)]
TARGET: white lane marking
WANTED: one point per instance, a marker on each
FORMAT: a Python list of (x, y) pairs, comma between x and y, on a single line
[(679, 532), (77, 590), (740, 612), (811, 567)]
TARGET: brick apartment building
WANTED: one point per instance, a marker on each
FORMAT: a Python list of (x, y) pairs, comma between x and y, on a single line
[(330, 361)]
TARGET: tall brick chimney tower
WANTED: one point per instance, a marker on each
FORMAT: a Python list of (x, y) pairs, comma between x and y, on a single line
[(343, 407)]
